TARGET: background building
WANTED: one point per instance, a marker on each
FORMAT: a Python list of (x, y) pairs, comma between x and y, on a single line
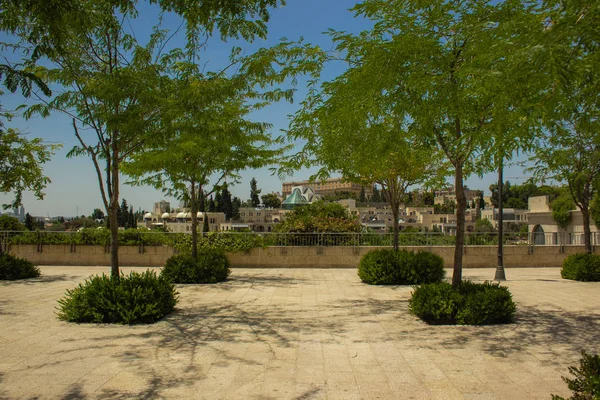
[(181, 221), (448, 194), (544, 230), (327, 187), (256, 219), (509, 216)]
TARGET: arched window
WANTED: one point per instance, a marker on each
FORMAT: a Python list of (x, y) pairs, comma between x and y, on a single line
[(539, 238)]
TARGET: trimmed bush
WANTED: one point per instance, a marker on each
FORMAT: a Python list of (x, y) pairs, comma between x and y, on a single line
[(13, 268), (582, 267), (212, 266), (401, 267), (471, 304), (131, 299), (586, 385)]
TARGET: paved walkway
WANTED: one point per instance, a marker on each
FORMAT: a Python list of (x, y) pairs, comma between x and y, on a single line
[(295, 334)]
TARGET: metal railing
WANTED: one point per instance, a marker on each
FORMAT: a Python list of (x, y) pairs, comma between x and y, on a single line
[(424, 239)]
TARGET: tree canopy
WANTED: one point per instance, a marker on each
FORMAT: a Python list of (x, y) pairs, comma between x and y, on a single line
[(439, 73), (112, 82)]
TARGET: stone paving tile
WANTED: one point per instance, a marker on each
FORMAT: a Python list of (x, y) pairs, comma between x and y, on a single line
[(295, 334)]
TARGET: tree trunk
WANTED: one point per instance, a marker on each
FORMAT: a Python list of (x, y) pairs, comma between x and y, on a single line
[(114, 206), (461, 206), (114, 241), (194, 210), (395, 225), (500, 273), (587, 232), (390, 193)]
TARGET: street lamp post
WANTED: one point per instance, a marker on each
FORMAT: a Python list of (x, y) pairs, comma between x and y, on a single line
[(500, 273)]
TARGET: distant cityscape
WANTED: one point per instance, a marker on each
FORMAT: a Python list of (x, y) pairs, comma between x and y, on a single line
[(428, 211)]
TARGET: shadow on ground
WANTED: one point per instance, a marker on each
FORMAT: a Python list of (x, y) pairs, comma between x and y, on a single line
[(167, 355), (42, 279)]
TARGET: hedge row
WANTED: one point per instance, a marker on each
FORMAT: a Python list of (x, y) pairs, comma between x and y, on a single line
[(226, 241)]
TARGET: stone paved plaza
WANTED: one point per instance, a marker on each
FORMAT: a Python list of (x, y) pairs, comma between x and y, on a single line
[(295, 334)]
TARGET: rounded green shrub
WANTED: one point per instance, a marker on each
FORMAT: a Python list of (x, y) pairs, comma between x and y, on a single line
[(13, 268), (400, 267), (586, 381), (470, 304), (211, 266), (129, 299), (581, 267), (435, 303)]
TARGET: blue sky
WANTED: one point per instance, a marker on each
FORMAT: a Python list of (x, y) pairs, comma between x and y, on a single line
[(74, 184)]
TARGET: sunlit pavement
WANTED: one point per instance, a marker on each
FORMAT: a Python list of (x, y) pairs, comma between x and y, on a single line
[(295, 334)]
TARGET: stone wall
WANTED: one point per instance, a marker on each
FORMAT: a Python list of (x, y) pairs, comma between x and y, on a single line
[(293, 257)]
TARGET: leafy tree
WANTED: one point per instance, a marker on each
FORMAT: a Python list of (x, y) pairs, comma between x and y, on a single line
[(227, 207), (211, 205), (21, 164), (124, 214), (484, 226), (441, 70), (131, 220), (202, 203), (319, 217), (205, 226), (113, 82), (595, 210), (569, 151), (270, 200), (236, 204), (561, 210), (80, 222), (29, 223), (218, 202), (254, 192), (362, 139), (451, 88), (209, 138), (428, 198), (376, 196), (8, 223), (447, 207), (98, 214), (517, 196), (343, 195), (481, 202), (362, 196)]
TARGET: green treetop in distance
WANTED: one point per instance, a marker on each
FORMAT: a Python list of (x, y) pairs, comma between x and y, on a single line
[(21, 162), (254, 192), (97, 214), (319, 217), (270, 200)]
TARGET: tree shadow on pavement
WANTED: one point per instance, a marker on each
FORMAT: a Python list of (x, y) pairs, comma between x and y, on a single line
[(42, 279)]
